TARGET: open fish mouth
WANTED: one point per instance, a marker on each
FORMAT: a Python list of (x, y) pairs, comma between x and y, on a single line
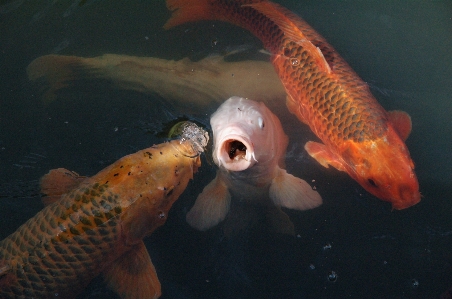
[(236, 153), (235, 149)]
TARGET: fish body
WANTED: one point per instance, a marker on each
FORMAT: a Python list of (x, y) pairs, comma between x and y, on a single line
[(249, 147), (358, 136), (97, 226), (208, 81)]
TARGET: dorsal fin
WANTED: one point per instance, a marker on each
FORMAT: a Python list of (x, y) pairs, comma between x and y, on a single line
[(58, 182), (327, 51), (275, 13), (401, 122)]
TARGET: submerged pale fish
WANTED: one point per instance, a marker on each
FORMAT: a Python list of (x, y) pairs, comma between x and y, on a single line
[(96, 225), (207, 81), (249, 146), (358, 136)]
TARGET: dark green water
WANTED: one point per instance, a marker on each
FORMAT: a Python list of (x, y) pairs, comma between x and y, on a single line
[(401, 48)]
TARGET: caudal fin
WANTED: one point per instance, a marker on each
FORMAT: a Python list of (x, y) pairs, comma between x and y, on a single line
[(58, 182), (184, 11), (56, 70), (293, 193)]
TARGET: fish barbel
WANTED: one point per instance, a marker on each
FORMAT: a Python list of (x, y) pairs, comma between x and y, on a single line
[(358, 135), (97, 225)]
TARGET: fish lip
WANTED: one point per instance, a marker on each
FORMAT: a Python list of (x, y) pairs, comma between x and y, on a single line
[(240, 164), (407, 201)]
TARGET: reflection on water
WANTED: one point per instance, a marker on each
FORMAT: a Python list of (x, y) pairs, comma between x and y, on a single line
[(372, 252)]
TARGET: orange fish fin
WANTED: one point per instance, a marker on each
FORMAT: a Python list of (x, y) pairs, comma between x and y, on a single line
[(133, 275), (327, 51), (283, 19), (58, 182), (184, 11), (211, 206), (322, 155), (401, 122), (291, 192)]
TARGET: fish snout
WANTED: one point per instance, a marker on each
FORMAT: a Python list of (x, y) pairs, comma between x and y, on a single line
[(402, 191), (235, 153), (407, 197)]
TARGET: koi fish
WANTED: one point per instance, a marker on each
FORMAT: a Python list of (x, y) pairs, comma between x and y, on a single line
[(208, 81), (358, 136), (249, 147), (96, 225)]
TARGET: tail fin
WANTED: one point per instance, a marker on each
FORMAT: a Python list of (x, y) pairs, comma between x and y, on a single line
[(184, 11), (57, 70)]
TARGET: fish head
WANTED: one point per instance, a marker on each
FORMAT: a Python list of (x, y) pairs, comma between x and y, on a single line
[(384, 168), (245, 132)]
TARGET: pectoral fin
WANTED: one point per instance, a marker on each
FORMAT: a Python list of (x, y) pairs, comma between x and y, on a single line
[(211, 206), (291, 30), (58, 182), (293, 193), (279, 221), (319, 152), (133, 275), (401, 122)]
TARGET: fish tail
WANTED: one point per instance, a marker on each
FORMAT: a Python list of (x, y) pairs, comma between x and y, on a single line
[(54, 69), (184, 11)]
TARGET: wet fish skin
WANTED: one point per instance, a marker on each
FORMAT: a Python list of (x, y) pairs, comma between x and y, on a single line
[(97, 227), (249, 146), (358, 135)]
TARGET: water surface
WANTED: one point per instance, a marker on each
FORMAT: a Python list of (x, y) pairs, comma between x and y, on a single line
[(402, 49)]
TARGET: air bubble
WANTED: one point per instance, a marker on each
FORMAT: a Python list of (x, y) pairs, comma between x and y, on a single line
[(327, 246), (332, 276)]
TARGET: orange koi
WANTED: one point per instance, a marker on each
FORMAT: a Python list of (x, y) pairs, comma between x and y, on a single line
[(358, 136), (97, 225)]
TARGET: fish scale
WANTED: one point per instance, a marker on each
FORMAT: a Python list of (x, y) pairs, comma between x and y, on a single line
[(98, 225), (304, 79), (333, 114), (358, 136), (46, 264)]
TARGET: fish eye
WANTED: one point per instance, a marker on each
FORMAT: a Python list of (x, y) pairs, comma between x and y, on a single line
[(261, 122), (372, 182)]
